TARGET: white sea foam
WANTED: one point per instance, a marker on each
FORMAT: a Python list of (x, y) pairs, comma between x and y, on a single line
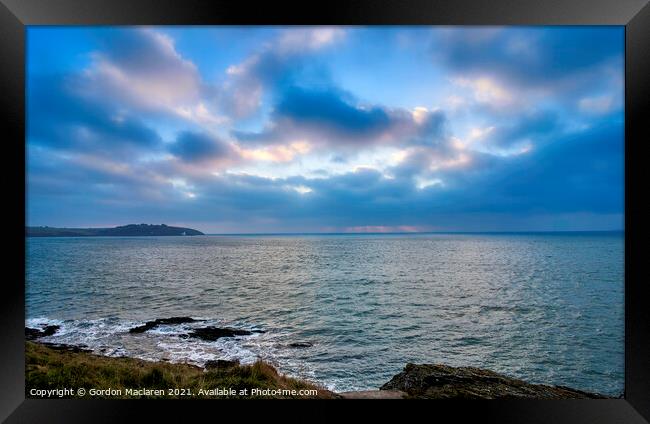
[(171, 342), (111, 337), (41, 322)]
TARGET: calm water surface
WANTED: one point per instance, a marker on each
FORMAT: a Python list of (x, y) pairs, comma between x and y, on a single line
[(547, 308)]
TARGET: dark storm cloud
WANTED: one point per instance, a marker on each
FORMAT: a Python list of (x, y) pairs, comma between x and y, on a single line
[(289, 58), (61, 118), (580, 172), (330, 116), (535, 126), (198, 147), (323, 114), (331, 112), (142, 51), (527, 56)]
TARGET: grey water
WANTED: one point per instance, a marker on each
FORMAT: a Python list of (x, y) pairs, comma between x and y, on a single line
[(545, 307)]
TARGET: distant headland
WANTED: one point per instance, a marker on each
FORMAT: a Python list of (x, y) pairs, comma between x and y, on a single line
[(131, 230)]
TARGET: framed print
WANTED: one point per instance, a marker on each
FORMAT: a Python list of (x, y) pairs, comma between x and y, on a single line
[(363, 202)]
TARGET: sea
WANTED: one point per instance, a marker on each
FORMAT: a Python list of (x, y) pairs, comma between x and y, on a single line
[(347, 311)]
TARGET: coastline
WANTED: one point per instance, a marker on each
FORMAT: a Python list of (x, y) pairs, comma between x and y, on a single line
[(64, 371), (61, 371)]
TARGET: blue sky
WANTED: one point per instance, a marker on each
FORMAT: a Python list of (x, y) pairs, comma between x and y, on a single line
[(326, 129)]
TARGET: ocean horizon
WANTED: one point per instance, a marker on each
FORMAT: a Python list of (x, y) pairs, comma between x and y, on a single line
[(370, 233), (343, 233)]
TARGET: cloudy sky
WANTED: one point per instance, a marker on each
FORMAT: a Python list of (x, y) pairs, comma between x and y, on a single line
[(326, 129)]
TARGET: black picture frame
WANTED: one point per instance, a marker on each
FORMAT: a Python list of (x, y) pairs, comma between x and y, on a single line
[(15, 15)]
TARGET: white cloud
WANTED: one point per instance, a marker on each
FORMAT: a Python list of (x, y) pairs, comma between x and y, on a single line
[(420, 114), (422, 183), (249, 79), (486, 90), (596, 105), (297, 40), (300, 189), (275, 153), (143, 69)]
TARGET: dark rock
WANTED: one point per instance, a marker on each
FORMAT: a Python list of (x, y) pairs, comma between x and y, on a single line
[(35, 333), (161, 321), (300, 344), (214, 333), (32, 333), (220, 364), (50, 330), (444, 382), (67, 347)]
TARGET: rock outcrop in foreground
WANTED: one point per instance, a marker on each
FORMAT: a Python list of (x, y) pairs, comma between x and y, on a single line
[(160, 321), (444, 382), (35, 333)]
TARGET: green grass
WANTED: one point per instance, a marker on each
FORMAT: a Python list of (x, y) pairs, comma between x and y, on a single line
[(47, 368)]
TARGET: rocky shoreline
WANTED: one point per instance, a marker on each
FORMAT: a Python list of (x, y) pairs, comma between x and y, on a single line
[(416, 381), (209, 333), (437, 381)]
